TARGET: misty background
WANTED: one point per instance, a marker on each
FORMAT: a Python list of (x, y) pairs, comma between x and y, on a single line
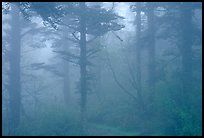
[(102, 68)]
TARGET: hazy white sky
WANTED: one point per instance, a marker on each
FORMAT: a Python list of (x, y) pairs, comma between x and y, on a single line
[(122, 8)]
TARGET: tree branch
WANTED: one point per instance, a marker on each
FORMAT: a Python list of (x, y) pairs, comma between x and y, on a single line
[(89, 41), (166, 64), (73, 34), (72, 40), (92, 52), (69, 60), (67, 54), (113, 4), (117, 36), (133, 80), (117, 82)]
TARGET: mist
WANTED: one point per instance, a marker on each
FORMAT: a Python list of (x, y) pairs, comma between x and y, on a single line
[(101, 69)]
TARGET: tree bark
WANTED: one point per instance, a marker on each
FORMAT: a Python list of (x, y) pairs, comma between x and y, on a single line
[(14, 71), (83, 72), (186, 51), (138, 54), (66, 84), (151, 50)]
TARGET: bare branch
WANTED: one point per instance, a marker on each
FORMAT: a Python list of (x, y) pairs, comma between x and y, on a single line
[(24, 112), (89, 41), (71, 61), (117, 36), (167, 63), (75, 36), (118, 83), (72, 40), (92, 52), (132, 76), (69, 26), (89, 63), (172, 59), (67, 54), (113, 4)]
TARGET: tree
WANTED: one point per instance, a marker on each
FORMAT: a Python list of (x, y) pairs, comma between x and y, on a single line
[(186, 48), (138, 53), (83, 21), (179, 29), (66, 85), (12, 48), (14, 71), (151, 47), (99, 22)]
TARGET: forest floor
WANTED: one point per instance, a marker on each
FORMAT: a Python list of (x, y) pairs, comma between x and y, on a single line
[(105, 130)]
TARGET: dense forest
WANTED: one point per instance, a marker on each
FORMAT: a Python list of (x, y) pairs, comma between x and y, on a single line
[(102, 68)]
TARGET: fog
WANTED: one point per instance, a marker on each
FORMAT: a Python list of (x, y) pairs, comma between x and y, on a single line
[(101, 68)]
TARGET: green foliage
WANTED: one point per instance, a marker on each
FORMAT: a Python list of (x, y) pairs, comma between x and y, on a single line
[(109, 110), (177, 119), (116, 131), (50, 122)]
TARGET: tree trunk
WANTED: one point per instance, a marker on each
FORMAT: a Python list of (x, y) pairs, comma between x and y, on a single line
[(151, 50), (138, 55), (14, 71), (66, 85), (83, 72), (186, 52)]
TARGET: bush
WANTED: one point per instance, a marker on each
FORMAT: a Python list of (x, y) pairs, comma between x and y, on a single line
[(50, 122)]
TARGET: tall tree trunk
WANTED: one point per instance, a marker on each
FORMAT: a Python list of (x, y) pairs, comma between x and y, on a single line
[(66, 85), (151, 50), (138, 54), (83, 72), (14, 71), (186, 52)]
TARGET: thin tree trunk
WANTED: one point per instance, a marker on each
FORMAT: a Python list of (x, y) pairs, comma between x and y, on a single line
[(83, 72), (186, 52), (151, 50), (138, 54), (14, 72), (66, 85)]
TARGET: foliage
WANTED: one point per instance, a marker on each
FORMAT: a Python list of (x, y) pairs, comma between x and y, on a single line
[(64, 123), (110, 71)]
